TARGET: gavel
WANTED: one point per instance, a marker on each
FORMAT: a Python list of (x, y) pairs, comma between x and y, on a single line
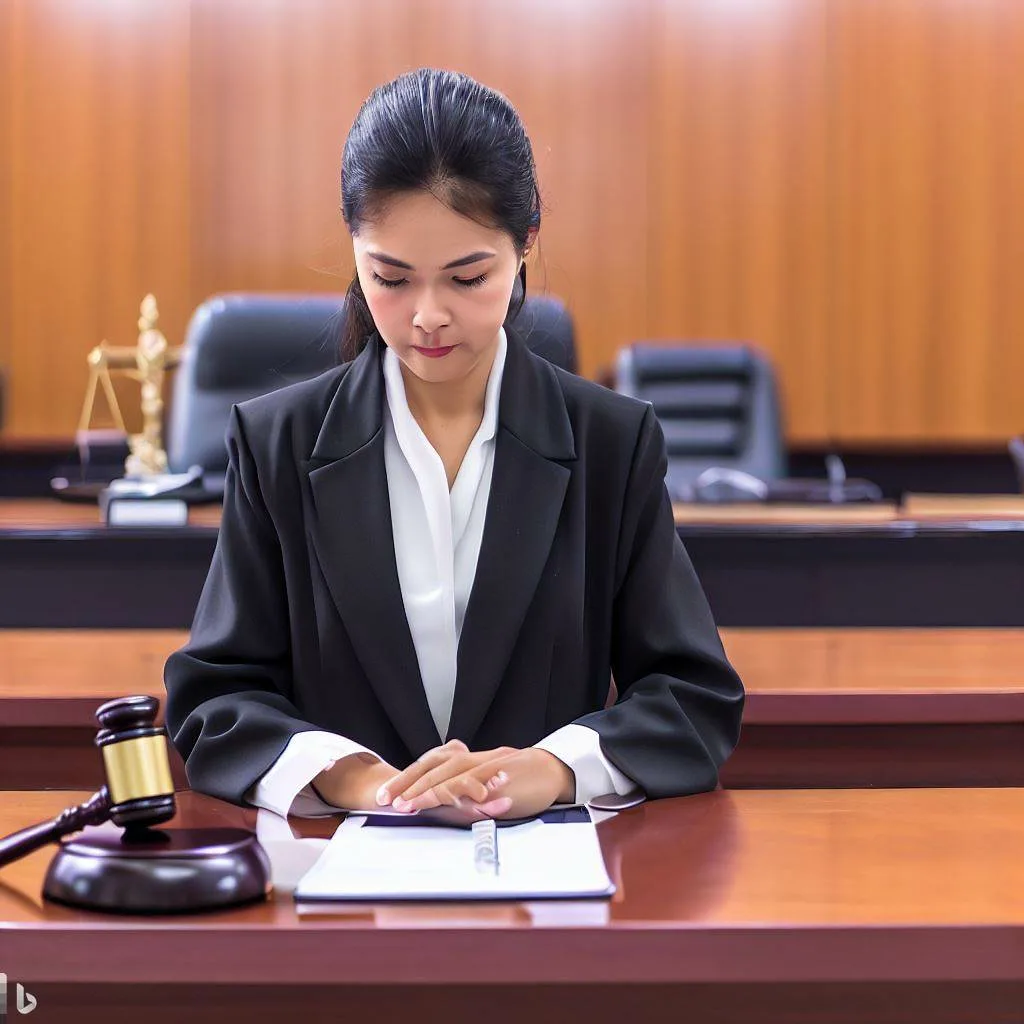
[(137, 868)]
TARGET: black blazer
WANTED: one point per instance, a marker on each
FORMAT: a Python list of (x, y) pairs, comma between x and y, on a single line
[(301, 623)]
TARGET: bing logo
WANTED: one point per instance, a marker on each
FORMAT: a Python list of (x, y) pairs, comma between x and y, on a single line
[(24, 1001)]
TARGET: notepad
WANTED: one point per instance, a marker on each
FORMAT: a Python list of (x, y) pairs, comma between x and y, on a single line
[(537, 859)]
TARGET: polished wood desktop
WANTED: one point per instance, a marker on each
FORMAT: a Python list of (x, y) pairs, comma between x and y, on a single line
[(40, 514), (825, 708), (775, 514), (950, 508), (963, 506), (862, 904)]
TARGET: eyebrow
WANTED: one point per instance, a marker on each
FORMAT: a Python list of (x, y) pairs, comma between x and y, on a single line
[(473, 257)]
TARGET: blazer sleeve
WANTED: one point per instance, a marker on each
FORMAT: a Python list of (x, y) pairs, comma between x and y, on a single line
[(228, 708), (677, 716)]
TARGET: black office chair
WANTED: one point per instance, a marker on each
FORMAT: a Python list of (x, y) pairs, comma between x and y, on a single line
[(237, 347), (242, 345), (546, 326), (719, 409), (1016, 447)]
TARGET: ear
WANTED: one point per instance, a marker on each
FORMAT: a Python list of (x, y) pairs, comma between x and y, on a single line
[(531, 237)]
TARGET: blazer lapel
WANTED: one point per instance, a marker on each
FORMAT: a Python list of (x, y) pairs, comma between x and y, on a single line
[(352, 537), (528, 486)]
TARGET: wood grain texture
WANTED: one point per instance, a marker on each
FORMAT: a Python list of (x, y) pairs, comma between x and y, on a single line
[(895, 661), (100, 189), (738, 249), (36, 513), (276, 87), (882, 512), (769, 863), (93, 664), (6, 96), (836, 183), (825, 709), (964, 506), (48, 514), (928, 226)]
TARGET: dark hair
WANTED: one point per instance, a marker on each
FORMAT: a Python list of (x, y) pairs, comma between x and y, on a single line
[(444, 133)]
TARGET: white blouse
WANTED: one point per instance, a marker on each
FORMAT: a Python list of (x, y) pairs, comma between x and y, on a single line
[(437, 536)]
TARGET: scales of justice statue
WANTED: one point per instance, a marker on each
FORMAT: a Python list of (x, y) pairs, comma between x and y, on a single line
[(146, 362)]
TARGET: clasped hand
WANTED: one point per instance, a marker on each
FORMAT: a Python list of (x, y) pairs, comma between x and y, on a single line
[(505, 782)]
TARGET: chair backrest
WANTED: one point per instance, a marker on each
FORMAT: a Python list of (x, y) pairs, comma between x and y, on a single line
[(1016, 447), (242, 345), (238, 347), (718, 406), (547, 328)]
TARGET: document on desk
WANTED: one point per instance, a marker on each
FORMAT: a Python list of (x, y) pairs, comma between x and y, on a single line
[(556, 856)]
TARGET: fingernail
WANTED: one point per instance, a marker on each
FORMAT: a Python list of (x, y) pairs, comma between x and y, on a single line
[(383, 796), (502, 777), (400, 804)]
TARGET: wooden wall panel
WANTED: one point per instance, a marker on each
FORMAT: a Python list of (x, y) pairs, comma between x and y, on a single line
[(99, 190), (836, 181), (6, 82), (276, 86), (738, 245), (928, 118)]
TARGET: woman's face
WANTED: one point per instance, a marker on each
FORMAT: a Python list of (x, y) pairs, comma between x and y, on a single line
[(437, 284)]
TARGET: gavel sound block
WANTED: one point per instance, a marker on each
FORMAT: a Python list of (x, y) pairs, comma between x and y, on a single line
[(121, 863)]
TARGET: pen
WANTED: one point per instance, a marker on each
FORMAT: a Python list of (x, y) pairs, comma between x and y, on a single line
[(485, 845)]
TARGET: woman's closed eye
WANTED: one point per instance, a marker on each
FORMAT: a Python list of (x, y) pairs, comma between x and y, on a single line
[(472, 282), (388, 282)]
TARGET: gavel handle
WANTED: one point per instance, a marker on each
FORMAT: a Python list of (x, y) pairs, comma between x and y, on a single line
[(94, 811)]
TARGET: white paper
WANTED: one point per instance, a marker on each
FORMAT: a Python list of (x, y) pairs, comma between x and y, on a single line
[(536, 859)]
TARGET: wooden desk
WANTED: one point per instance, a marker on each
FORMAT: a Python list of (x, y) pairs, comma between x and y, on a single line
[(877, 707), (60, 569), (963, 506), (755, 906), (33, 513), (36, 515), (825, 708), (40, 514), (804, 515), (933, 507)]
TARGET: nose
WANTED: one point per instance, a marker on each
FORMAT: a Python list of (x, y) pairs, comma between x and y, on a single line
[(430, 314)]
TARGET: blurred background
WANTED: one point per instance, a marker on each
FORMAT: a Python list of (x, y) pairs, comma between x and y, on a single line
[(836, 182)]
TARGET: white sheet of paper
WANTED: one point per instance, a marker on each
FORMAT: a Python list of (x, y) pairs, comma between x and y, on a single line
[(407, 863)]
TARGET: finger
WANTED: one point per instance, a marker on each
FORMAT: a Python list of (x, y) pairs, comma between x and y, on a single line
[(495, 808), (456, 765), (475, 784), (491, 773), (415, 771), (463, 789)]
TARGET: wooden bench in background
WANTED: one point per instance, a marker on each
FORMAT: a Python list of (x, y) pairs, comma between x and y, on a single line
[(825, 708)]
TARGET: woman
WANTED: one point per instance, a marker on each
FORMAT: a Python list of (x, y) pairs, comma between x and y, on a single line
[(433, 558)]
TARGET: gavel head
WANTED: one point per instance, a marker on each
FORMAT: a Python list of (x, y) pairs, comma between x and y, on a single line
[(135, 757)]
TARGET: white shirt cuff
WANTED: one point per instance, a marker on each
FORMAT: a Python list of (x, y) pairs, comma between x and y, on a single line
[(578, 747), (284, 788)]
